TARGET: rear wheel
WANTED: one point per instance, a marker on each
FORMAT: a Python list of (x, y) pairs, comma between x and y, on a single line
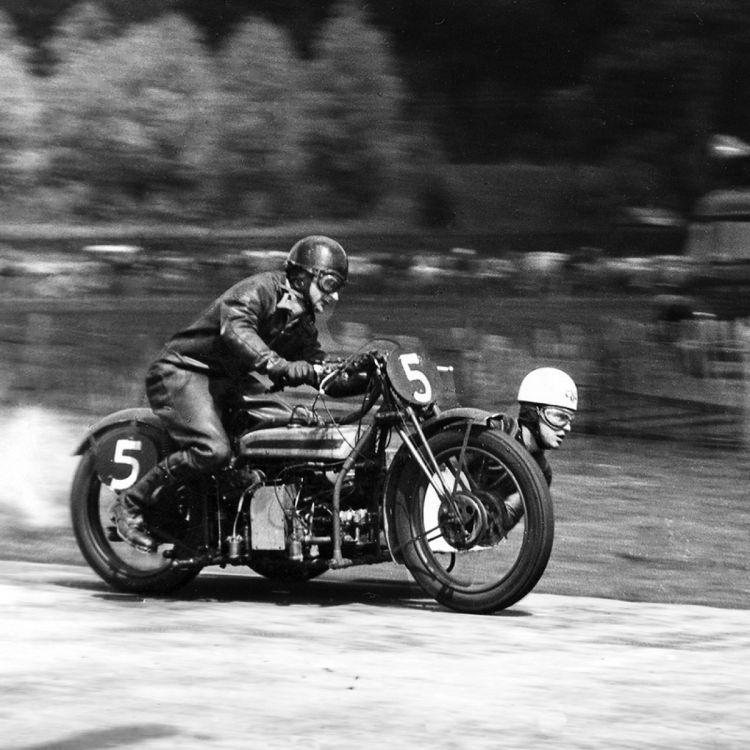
[(451, 525), (174, 522)]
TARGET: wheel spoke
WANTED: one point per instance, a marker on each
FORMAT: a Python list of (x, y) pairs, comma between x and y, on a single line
[(460, 476), (462, 455), (425, 535)]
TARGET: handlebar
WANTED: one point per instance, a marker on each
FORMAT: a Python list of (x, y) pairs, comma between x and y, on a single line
[(333, 369), (362, 364)]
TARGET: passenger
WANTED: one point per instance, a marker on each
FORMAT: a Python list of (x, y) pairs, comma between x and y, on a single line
[(548, 400)]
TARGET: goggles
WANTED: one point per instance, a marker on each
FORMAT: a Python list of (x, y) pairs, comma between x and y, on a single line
[(329, 282), (556, 417)]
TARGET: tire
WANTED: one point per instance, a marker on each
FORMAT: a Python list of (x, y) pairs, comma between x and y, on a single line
[(472, 565), (284, 570), (115, 561)]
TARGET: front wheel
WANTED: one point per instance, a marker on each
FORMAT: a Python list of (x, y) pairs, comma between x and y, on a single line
[(451, 521), (115, 561)]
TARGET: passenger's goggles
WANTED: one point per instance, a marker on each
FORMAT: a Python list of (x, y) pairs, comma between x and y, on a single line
[(556, 417), (329, 282)]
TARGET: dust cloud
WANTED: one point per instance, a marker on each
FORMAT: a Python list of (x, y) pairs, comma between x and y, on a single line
[(37, 465)]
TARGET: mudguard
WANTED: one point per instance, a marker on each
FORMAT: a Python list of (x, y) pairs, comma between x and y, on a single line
[(479, 418), (123, 418)]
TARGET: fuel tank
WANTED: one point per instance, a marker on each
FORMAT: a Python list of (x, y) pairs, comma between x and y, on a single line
[(300, 443), (256, 412)]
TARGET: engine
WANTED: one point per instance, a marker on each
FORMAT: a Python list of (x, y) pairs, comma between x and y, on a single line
[(288, 510)]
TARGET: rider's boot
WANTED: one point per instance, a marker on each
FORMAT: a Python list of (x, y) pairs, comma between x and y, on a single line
[(127, 510)]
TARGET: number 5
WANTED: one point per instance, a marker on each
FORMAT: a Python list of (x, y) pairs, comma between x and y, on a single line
[(131, 461), (424, 395)]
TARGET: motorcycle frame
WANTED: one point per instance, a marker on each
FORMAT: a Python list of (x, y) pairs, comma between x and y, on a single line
[(390, 417)]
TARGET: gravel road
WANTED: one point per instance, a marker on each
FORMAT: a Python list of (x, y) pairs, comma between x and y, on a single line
[(358, 660)]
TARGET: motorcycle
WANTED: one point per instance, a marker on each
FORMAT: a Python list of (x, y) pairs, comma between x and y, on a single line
[(396, 479)]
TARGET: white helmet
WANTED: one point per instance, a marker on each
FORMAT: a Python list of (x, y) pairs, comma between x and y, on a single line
[(549, 386)]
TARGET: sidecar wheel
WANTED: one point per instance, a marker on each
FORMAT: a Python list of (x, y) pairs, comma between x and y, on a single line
[(460, 552), (115, 561)]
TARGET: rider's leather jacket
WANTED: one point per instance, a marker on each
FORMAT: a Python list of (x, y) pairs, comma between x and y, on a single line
[(249, 328)]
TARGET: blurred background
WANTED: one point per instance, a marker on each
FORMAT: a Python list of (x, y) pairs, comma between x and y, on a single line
[(518, 184)]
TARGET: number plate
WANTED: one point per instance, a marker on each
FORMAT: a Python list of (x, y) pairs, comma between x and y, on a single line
[(412, 376), (123, 456)]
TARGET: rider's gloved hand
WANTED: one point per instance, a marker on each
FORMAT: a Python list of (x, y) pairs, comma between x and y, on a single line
[(301, 373), (293, 373)]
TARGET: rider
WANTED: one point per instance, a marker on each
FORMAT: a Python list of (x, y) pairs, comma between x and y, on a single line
[(265, 324), (548, 399)]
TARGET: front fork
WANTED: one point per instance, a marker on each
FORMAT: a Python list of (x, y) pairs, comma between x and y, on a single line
[(428, 464)]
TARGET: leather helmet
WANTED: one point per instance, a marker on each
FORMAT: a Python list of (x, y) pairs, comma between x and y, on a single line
[(320, 256)]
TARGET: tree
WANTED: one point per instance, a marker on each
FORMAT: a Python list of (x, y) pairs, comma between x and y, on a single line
[(352, 113), (83, 26), (11, 44), (258, 157), (131, 123), (19, 116), (663, 81)]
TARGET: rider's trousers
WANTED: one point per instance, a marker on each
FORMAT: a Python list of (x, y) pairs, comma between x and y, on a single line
[(189, 403)]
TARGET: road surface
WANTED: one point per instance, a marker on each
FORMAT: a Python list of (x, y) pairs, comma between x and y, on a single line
[(361, 660)]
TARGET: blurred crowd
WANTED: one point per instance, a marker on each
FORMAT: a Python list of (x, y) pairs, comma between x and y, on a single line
[(130, 269)]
